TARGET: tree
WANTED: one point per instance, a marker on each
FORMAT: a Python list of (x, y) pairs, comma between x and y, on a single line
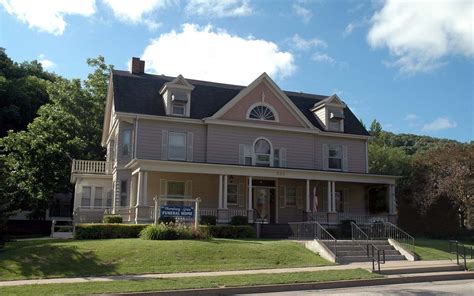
[(375, 128), (38, 160)]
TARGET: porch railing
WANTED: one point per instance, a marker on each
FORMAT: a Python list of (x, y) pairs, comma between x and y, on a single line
[(361, 218), (91, 167), (359, 236)]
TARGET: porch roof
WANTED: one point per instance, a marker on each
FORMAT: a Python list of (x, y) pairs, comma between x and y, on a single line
[(137, 165)]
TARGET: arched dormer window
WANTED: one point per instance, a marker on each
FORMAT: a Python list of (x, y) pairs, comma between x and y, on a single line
[(262, 111), (263, 152)]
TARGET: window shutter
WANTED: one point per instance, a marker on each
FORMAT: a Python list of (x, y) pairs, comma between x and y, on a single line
[(281, 195), (283, 157), (188, 188), (345, 167), (241, 195), (299, 197), (190, 143), (325, 156), (241, 154), (164, 145), (163, 189)]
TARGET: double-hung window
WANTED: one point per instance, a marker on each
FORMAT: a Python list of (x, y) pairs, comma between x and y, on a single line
[(232, 192), (126, 142), (262, 153), (178, 108), (335, 157), (177, 146), (98, 197), (176, 188), (123, 194), (290, 196), (86, 196)]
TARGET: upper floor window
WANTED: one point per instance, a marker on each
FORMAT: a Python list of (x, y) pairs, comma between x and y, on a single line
[(179, 100), (263, 151), (335, 157), (262, 112), (177, 146), (126, 142), (178, 109)]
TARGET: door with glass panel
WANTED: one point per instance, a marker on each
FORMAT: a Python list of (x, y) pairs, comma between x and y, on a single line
[(263, 200)]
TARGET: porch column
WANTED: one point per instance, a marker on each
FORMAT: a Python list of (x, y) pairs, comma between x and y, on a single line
[(334, 196), (329, 197), (139, 187), (392, 202), (225, 191), (308, 195), (249, 202), (220, 191)]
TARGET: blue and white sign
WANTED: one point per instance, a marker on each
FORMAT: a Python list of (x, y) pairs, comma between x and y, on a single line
[(177, 211)]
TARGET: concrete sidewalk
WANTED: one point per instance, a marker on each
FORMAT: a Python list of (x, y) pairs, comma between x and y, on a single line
[(364, 265)]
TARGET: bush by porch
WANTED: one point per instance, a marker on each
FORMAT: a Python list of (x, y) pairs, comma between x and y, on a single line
[(53, 258)]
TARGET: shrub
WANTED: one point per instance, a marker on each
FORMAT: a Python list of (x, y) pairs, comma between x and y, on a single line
[(239, 220), (107, 231), (112, 219), (208, 220), (230, 231), (172, 231)]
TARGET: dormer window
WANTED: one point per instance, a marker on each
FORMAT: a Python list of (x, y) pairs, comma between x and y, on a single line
[(177, 97), (261, 111), (178, 109), (330, 113), (336, 118)]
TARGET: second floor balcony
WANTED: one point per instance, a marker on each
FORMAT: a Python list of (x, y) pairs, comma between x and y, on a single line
[(95, 167)]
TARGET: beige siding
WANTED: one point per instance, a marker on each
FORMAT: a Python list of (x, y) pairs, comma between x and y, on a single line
[(223, 145), (149, 138)]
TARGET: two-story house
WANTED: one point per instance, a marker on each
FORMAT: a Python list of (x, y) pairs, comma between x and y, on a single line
[(257, 151)]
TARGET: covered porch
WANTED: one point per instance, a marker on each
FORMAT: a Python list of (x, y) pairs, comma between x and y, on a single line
[(263, 195)]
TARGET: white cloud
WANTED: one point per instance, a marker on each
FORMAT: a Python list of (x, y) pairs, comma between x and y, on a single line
[(322, 57), (48, 16), (420, 33), (213, 54), (46, 63), (349, 28), (438, 124), (303, 12), (299, 43), (135, 11), (219, 8), (411, 117)]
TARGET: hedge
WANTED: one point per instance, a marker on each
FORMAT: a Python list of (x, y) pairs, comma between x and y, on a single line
[(112, 219), (208, 220), (230, 231), (239, 220), (107, 231), (172, 231)]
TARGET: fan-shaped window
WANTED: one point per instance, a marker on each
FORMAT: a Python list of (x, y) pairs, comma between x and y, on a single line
[(263, 152), (262, 112)]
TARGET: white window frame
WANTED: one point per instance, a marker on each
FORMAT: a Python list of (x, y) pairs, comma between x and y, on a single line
[(170, 134), (236, 194), (90, 196), (168, 188), (127, 144), (330, 146), (181, 104), (255, 155), (275, 114), (101, 197), (287, 195)]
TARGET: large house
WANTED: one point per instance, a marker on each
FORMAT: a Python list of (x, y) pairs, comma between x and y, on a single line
[(273, 156)]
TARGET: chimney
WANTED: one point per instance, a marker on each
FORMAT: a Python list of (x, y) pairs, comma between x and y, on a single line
[(137, 66)]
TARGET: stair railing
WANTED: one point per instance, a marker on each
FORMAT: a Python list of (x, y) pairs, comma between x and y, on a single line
[(387, 230), (460, 250), (376, 255), (322, 234), (359, 236)]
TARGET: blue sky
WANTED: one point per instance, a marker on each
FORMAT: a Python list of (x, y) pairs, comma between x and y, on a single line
[(407, 63)]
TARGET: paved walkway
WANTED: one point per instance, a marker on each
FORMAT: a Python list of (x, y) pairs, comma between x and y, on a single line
[(364, 265)]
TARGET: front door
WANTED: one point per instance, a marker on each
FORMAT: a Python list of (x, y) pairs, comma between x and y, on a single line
[(264, 203)]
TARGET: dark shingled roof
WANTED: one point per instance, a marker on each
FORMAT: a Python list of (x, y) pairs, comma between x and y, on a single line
[(141, 94)]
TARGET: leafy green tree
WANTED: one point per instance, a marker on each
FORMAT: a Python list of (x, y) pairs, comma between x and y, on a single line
[(38, 160)]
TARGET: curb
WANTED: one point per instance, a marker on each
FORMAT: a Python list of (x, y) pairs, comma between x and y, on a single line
[(307, 286)]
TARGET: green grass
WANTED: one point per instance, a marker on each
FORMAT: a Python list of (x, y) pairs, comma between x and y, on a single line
[(434, 249), (188, 283), (55, 258)]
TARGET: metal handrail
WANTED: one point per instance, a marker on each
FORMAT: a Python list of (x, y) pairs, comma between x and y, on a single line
[(396, 233), (462, 253), (322, 234), (359, 235), (374, 259)]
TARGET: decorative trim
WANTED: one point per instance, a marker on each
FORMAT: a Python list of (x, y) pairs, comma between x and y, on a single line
[(256, 104)]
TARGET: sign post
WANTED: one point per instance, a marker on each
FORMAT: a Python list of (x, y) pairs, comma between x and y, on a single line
[(177, 211)]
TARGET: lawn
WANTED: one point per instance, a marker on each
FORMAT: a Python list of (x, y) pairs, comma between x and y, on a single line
[(434, 249), (56, 258), (189, 282)]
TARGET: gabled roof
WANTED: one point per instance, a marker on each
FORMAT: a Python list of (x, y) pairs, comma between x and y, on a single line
[(140, 93)]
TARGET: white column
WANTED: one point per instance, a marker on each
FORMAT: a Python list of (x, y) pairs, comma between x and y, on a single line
[(334, 196), (225, 191), (249, 204), (144, 200), (307, 196), (392, 202), (139, 188), (220, 191), (329, 196), (132, 195)]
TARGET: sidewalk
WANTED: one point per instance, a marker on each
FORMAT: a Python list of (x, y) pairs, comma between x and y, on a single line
[(364, 265)]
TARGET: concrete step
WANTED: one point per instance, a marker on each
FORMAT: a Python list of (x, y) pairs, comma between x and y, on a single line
[(360, 252), (358, 248), (421, 269), (350, 242), (350, 259)]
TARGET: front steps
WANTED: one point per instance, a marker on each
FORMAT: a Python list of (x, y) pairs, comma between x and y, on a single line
[(349, 251), (421, 267)]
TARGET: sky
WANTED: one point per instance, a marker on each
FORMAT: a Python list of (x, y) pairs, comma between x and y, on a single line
[(409, 64)]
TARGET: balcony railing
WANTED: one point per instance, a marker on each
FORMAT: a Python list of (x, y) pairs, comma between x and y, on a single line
[(91, 167)]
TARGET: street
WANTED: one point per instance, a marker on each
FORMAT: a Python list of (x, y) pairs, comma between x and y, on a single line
[(462, 287)]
